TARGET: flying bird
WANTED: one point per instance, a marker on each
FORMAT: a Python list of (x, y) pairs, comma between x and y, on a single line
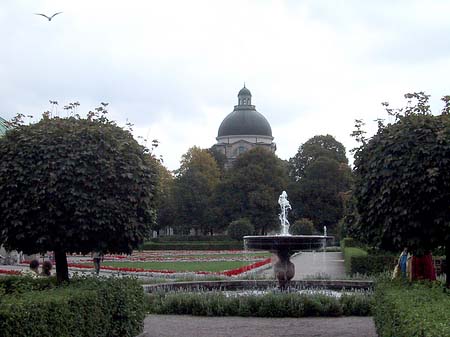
[(48, 17)]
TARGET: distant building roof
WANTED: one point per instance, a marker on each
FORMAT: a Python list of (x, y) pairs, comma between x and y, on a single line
[(245, 120)]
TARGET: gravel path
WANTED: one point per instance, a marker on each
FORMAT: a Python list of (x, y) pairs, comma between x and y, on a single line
[(193, 326)]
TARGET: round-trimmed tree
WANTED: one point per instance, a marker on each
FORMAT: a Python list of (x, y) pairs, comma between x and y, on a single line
[(402, 188), (73, 185), (239, 228)]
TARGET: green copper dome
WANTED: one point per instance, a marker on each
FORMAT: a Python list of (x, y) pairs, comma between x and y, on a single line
[(245, 120)]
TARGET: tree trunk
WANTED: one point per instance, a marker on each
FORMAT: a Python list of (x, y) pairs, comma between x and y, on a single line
[(447, 262), (62, 270)]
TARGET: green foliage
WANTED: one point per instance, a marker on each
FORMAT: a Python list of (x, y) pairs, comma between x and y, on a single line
[(165, 208), (372, 264), (411, 310), (268, 305), (191, 238), (403, 181), (319, 176), (74, 185), (302, 227), (195, 183), (251, 188), (240, 228), (358, 261), (317, 147), (87, 307), (349, 254), (350, 242)]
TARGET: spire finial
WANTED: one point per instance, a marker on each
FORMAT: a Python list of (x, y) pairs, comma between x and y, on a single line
[(244, 84)]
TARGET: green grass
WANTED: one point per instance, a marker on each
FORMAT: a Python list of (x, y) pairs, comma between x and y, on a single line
[(181, 266), (219, 256)]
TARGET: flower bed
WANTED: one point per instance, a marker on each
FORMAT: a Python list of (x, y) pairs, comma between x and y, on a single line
[(10, 272), (167, 263), (232, 272)]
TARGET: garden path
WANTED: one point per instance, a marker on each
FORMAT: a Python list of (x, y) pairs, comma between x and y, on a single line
[(193, 326)]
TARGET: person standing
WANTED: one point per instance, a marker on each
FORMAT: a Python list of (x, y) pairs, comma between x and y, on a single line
[(97, 257), (46, 268), (33, 271)]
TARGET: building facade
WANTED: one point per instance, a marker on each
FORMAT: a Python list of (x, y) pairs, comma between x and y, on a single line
[(243, 129)]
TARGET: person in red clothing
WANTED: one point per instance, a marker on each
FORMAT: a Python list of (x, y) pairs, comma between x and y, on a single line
[(422, 267)]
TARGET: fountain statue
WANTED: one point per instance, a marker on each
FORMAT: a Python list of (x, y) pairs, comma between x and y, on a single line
[(285, 206), (285, 244)]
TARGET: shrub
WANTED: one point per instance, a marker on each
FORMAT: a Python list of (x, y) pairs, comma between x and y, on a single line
[(268, 305), (240, 228), (411, 310), (372, 264), (302, 227), (87, 307), (349, 254), (350, 242)]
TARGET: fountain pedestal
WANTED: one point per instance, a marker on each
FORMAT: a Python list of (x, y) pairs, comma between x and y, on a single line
[(284, 269), (283, 246)]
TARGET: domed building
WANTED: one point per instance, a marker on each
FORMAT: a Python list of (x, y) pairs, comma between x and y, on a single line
[(243, 129)]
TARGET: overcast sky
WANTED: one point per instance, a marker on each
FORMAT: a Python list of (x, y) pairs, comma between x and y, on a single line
[(174, 68)]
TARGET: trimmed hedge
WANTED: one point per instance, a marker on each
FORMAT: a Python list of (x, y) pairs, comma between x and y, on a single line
[(372, 264), (350, 242), (411, 310), (358, 261), (349, 254), (87, 307), (191, 238), (186, 245), (268, 305)]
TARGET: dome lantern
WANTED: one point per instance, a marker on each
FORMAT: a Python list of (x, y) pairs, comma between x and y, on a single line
[(244, 96)]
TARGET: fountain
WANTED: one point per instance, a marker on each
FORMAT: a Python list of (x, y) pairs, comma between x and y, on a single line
[(285, 244)]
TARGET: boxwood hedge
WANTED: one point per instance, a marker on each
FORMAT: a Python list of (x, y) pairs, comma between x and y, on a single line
[(411, 310), (87, 307)]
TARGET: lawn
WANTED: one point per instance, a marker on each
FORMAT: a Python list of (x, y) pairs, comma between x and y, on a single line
[(181, 261), (214, 266)]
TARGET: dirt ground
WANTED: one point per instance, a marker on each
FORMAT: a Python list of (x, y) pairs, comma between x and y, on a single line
[(192, 326)]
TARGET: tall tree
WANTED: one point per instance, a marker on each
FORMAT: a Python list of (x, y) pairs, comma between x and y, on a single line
[(314, 148), (165, 209), (403, 181), (319, 175), (318, 193), (195, 183), (250, 189), (73, 185)]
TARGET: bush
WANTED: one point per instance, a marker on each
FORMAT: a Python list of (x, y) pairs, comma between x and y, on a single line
[(411, 310), (302, 227), (349, 254), (87, 307), (372, 264), (240, 228), (268, 305), (350, 242)]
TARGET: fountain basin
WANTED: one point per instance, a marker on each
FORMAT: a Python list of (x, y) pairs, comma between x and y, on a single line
[(290, 243)]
